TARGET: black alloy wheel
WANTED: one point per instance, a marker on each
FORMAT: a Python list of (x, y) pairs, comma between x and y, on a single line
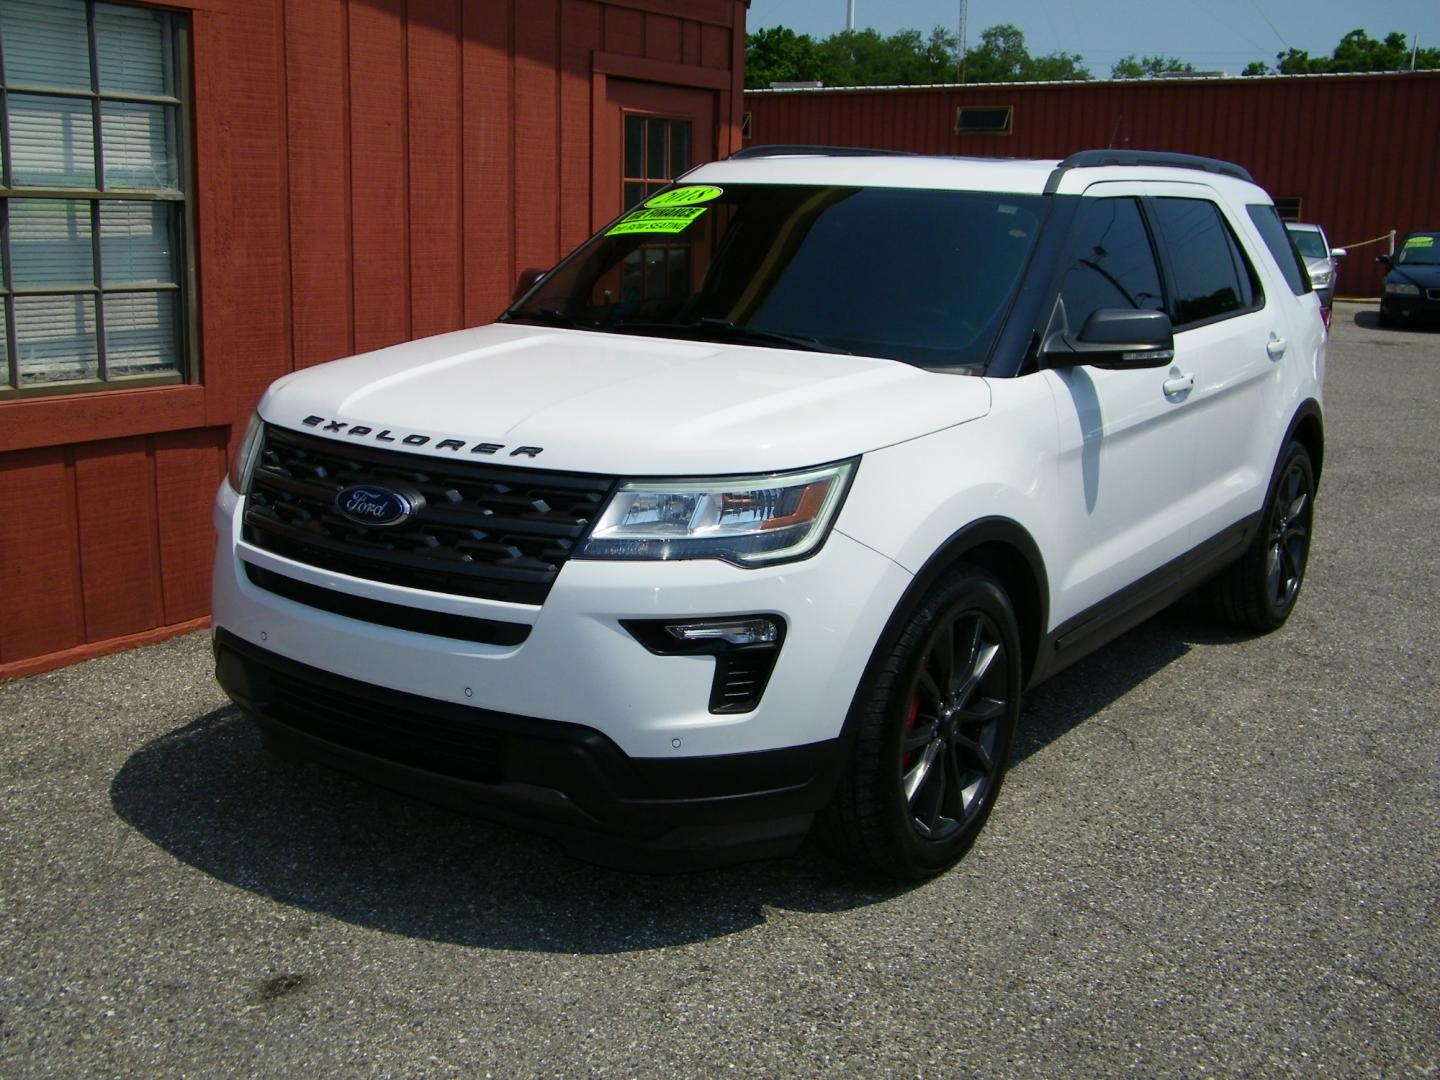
[(1259, 590), (958, 705), (1289, 532), (933, 724)]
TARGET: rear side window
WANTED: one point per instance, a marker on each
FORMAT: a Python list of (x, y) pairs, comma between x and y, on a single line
[(1277, 238), (1109, 262), (1210, 278)]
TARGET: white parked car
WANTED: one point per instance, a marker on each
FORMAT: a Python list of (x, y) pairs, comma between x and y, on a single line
[(765, 506)]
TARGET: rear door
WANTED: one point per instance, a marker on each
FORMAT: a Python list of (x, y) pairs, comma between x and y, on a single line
[(1229, 343)]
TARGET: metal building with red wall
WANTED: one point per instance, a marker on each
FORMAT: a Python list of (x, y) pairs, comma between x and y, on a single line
[(315, 178), (1359, 154)]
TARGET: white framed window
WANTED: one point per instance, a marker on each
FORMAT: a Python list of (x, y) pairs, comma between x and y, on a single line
[(95, 275)]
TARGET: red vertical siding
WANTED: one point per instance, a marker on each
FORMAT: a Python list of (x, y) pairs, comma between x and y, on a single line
[(119, 537), (367, 171), (379, 155), (1351, 147), (317, 51), (40, 576), (188, 467)]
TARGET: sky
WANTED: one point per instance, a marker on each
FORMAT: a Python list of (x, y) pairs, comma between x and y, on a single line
[(1214, 35)]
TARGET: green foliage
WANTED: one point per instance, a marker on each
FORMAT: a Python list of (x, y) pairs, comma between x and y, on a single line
[(1357, 51), (905, 58), (778, 54), (1147, 67)]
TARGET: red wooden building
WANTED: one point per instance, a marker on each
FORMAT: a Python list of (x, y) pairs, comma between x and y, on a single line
[(201, 196), (1359, 154)]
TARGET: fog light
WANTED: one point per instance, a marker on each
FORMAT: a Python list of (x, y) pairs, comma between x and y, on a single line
[(740, 632), (745, 648)]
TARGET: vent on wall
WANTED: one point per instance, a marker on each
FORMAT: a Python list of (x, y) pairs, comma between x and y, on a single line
[(986, 120), (1289, 207)]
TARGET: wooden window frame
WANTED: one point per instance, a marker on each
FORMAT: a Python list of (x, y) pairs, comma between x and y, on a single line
[(1008, 129), (1298, 202), (183, 222)]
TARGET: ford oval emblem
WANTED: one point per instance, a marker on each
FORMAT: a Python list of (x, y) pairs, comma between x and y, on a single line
[(378, 507)]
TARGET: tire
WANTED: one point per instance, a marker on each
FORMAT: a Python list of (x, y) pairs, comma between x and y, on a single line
[(1259, 591), (1385, 319), (933, 731)]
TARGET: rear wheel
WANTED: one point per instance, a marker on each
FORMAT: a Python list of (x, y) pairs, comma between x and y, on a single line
[(935, 727), (1259, 591)]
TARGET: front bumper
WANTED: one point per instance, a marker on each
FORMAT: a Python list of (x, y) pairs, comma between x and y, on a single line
[(1411, 309), (564, 780)]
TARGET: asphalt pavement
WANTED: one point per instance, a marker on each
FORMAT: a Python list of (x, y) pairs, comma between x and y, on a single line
[(1215, 854)]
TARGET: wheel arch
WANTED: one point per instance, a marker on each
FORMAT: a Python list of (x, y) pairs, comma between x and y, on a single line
[(1307, 427), (1002, 548)]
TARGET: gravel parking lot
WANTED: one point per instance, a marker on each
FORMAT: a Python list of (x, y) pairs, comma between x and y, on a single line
[(1215, 854)]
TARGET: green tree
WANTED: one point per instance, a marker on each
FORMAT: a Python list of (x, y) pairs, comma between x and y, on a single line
[(1002, 56), (1147, 67), (778, 54), (1357, 51), (905, 58), (1256, 67)]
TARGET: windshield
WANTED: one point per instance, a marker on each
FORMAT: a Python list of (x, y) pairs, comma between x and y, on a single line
[(919, 276), (1310, 243), (1421, 249)]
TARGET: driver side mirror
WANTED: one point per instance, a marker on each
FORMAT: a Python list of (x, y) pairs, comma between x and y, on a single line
[(529, 278), (1386, 259), (1115, 338), (1338, 253)]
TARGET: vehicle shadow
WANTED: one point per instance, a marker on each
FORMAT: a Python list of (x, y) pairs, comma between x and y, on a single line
[(323, 842), (1369, 319)]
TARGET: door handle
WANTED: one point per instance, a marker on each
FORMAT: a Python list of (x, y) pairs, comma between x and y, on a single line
[(1180, 384), (1275, 347)]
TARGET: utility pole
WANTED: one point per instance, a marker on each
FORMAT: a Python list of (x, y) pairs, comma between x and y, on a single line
[(850, 16), (964, 12)]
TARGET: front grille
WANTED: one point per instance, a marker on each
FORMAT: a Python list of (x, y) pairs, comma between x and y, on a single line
[(415, 737), (420, 620), (485, 530)]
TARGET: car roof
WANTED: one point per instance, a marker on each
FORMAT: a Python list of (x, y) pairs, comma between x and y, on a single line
[(1011, 175)]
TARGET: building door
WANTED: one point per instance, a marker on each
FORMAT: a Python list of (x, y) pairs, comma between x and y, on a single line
[(650, 134), (646, 135)]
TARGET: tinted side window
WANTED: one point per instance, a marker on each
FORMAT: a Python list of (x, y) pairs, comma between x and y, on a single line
[(1210, 277), (1277, 239), (1109, 262)]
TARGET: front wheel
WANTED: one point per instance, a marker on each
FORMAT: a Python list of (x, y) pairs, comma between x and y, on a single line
[(934, 730)]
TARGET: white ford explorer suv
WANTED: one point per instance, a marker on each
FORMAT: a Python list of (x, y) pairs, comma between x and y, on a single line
[(759, 512)]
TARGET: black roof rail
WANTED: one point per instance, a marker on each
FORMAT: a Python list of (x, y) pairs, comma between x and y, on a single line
[(1162, 158), (815, 151)]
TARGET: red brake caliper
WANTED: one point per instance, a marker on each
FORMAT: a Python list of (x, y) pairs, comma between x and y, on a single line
[(912, 721)]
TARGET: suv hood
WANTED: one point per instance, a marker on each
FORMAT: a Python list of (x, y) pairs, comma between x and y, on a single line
[(620, 404)]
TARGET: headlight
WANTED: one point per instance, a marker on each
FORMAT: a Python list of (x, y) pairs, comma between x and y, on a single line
[(1321, 278), (244, 460), (1402, 288), (747, 520)]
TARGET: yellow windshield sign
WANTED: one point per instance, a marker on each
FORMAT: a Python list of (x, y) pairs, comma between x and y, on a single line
[(685, 196), (1420, 241), (662, 219)]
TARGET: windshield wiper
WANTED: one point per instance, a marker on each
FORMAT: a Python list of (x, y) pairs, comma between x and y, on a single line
[(724, 330), (550, 315)]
